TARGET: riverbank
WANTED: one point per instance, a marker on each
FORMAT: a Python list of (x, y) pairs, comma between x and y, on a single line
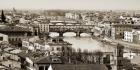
[(127, 45)]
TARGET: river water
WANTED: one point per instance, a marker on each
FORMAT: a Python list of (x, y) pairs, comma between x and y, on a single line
[(85, 42)]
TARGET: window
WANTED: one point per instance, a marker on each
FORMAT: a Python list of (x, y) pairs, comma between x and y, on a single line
[(9, 65), (1, 38), (58, 49), (0, 54), (9, 39), (41, 68), (52, 49), (12, 39), (46, 67), (120, 62), (120, 52)]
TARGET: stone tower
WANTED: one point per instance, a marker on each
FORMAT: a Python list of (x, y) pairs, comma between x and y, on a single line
[(118, 58), (3, 18)]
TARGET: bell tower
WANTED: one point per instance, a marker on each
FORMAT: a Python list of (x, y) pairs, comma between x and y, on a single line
[(118, 57)]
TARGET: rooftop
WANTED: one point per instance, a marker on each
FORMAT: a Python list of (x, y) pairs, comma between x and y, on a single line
[(13, 28), (79, 67), (126, 25), (32, 55), (49, 60), (136, 60)]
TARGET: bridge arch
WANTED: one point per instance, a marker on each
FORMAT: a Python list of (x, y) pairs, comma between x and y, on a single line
[(78, 29), (69, 24), (85, 34), (59, 24), (51, 24), (69, 34), (53, 34)]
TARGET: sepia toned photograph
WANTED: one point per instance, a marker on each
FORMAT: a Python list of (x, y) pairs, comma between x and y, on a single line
[(69, 34)]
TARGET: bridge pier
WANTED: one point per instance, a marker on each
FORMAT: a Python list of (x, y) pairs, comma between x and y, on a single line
[(61, 34), (92, 33), (47, 34), (78, 34)]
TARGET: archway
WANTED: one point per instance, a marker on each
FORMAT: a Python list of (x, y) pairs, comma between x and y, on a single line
[(69, 24), (59, 24), (85, 34), (69, 34), (53, 34)]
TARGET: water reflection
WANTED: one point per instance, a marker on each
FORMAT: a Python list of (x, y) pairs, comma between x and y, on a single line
[(85, 42)]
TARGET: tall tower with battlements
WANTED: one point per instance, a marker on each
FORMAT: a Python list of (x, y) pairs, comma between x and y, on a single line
[(118, 57)]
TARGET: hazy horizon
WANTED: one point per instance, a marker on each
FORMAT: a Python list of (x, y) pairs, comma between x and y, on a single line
[(71, 4)]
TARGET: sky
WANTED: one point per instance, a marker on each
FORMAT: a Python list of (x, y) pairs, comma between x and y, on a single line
[(71, 4)]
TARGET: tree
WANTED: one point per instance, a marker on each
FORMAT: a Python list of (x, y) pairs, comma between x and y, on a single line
[(79, 55), (3, 18), (66, 54), (99, 56)]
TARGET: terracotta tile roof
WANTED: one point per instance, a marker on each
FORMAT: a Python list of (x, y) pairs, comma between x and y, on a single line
[(24, 54), (136, 60), (133, 25), (58, 65), (31, 55), (79, 67), (48, 60), (13, 28), (40, 42)]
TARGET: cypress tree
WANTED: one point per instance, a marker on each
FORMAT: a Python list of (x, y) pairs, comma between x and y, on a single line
[(3, 18)]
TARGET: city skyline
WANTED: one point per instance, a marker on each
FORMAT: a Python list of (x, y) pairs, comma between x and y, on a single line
[(71, 4)]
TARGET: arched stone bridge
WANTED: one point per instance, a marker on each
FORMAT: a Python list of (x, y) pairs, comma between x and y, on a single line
[(78, 29), (64, 23)]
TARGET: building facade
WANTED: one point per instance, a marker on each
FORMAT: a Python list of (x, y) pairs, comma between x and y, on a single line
[(3, 38), (72, 15), (136, 36), (35, 45), (15, 34), (118, 58), (43, 27), (117, 30), (128, 36)]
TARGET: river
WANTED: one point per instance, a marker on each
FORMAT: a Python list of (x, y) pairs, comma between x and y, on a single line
[(85, 42)]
